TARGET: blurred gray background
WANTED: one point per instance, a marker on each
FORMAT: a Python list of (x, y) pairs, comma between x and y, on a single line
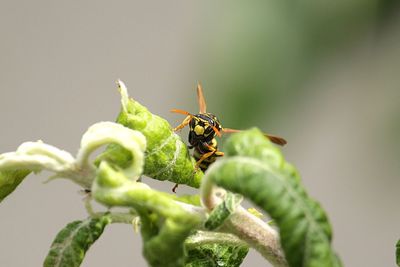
[(323, 74)]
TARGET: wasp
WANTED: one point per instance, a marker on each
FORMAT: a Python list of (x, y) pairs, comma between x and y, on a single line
[(203, 128)]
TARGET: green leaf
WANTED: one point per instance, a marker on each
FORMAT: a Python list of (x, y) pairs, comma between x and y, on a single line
[(72, 242), (220, 213), (217, 251), (163, 243), (216, 255), (164, 223), (188, 199), (167, 156), (9, 180), (257, 170), (398, 253)]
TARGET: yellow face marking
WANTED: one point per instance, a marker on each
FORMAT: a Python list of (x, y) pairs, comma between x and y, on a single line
[(199, 130)]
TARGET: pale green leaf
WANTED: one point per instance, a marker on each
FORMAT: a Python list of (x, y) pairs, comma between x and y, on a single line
[(167, 157), (72, 242), (9, 180)]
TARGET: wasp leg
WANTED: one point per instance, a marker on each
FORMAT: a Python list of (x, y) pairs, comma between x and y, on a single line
[(205, 156), (185, 122), (208, 154), (174, 188), (217, 153)]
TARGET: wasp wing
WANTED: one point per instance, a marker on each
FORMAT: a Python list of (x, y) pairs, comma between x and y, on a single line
[(274, 139), (200, 98)]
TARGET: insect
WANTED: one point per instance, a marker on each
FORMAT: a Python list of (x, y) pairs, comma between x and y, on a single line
[(203, 128)]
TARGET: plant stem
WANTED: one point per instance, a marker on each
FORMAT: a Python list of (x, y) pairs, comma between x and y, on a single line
[(204, 237), (247, 227), (257, 234)]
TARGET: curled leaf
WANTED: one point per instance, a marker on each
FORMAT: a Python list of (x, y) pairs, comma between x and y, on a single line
[(38, 156), (256, 169), (166, 158), (164, 223), (103, 133), (31, 156), (72, 242)]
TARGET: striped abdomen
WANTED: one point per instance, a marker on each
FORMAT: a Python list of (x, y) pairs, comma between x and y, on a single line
[(201, 149)]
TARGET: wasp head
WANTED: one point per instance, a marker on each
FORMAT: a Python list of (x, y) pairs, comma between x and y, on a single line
[(203, 128)]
